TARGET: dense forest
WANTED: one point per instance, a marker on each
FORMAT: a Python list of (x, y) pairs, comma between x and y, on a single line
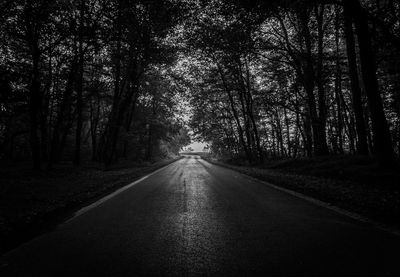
[(87, 79), (105, 80)]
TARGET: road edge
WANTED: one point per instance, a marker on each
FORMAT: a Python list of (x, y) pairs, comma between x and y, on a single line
[(111, 195), (51, 221), (358, 217)]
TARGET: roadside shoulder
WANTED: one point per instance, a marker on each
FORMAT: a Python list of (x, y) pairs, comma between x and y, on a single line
[(57, 197), (380, 208)]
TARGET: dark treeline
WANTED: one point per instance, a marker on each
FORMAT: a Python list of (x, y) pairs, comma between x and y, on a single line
[(86, 79), (299, 78), (104, 79)]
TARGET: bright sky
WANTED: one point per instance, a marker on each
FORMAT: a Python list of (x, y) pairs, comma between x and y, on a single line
[(196, 146)]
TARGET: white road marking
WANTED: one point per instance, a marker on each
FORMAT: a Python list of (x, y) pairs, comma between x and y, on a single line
[(115, 193), (355, 216)]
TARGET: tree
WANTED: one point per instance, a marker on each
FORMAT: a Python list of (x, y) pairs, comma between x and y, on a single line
[(382, 138)]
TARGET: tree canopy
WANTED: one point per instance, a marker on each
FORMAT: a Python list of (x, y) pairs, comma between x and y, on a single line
[(105, 80)]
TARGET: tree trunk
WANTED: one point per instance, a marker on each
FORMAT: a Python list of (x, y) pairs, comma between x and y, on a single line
[(250, 110), (235, 113), (94, 122), (149, 150), (322, 148), (308, 79), (35, 104), (381, 134), (128, 87), (338, 85), (63, 115), (79, 92), (279, 134), (362, 146), (35, 100), (287, 125)]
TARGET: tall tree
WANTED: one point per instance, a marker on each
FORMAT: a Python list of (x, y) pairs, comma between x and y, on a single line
[(79, 92), (362, 147), (381, 134)]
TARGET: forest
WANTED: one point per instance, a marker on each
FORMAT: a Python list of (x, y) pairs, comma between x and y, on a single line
[(107, 80)]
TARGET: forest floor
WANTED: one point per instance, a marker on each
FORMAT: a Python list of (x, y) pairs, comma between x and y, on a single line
[(354, 183), (33, 202)]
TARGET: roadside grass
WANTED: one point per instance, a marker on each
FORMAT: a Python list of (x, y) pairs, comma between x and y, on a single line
[(353, 183), (358, 169), (32, 202)]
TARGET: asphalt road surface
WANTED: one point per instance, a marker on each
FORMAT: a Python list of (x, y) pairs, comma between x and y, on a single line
[(193, 218)]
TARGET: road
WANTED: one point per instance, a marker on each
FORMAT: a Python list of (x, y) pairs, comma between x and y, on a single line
[(193, 218)]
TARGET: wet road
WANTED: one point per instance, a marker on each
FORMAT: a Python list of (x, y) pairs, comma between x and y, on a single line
[(193, 218)]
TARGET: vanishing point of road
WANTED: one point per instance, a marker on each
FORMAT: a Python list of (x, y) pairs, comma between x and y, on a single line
[(193, 218)]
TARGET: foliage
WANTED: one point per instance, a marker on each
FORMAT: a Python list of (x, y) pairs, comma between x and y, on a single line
[(73, 72), (287, 70), (110, 79)]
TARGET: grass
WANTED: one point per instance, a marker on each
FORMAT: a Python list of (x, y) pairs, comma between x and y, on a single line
[(354, 183), (32, 202), (357, 169)]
